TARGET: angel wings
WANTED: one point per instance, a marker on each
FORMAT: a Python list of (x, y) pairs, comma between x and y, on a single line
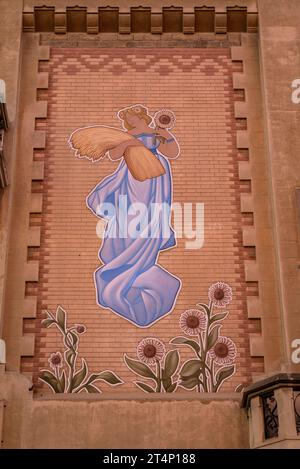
[(94, 142)]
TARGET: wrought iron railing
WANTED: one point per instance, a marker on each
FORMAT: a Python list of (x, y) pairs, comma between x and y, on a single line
[(270, 415), (297, 409), (3, 171)]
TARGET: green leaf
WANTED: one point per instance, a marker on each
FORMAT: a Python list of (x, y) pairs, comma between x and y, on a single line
[(190, 383), (107, 376), (70, 357), (213, 336), (171, 363), (79, 377), (223, 374), (239, 388), (172, 387), (144, 386), (62, 382), (48, 322), (51, 380), (204, 307), (184, 341), (71, 340), (167, 382), (139, 368), (61, 317), (92, 389), (75, 339), (218, 317), (191, 368)]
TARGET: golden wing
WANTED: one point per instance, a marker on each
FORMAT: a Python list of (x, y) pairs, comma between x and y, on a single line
[(94, 142)]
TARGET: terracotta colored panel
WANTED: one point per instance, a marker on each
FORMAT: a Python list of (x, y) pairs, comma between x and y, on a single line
[(76, 20), (109, 20), (140, 20), (44, 19), (172, 20), (236, 21), (204, 20)]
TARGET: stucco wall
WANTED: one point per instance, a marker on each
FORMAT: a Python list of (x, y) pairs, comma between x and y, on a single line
[(133, 422)]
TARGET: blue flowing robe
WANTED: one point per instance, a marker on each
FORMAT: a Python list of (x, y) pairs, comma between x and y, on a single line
[(130, 282)]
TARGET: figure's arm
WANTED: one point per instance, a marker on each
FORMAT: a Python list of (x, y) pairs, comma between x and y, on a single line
[(117, 152), (168, 146)]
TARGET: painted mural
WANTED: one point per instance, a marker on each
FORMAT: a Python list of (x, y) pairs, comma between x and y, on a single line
[(212, 362), (65, 375), (141, 222), (136, 203)]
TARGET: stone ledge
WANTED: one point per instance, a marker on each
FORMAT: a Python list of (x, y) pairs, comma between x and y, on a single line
[(34, 236), (37, 170), (43, 80), (32, 271), (244, 171), (134, 396), (27, 345), (40, 111), (254, 307), (246, 203), (256, 345), (248, 236), (29, 307), (279, 380), (39, 139), (36, 203)]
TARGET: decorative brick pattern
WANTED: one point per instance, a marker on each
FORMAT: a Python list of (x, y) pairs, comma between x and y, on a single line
[(86, 87)]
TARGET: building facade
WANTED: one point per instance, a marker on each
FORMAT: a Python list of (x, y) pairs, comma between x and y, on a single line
[(168, 340)]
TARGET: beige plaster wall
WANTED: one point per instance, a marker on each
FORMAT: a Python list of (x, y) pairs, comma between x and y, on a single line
[(280, 64), (10, 49), (122, 423)]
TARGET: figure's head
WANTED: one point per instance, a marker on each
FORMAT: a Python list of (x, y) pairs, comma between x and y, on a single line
[(131, 116)]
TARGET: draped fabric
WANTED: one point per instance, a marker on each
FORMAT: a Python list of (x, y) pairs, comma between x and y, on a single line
[(131, 283)]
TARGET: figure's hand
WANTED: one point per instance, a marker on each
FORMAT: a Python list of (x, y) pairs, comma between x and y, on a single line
[(168, 145), (164, 133)]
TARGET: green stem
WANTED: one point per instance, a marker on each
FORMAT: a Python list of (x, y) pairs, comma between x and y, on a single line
[(158, 369), (70, 346), (81, 387), (57, 373), (211, 377), (71, 374), (203, 345), (201, 356)]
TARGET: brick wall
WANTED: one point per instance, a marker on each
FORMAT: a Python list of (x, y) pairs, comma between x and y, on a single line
[(88, 86)]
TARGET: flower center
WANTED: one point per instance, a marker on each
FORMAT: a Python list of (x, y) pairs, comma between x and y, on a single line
[(164, 119), (219, 294), (221, 350), (149, 351), (192, 322), (56, 360)]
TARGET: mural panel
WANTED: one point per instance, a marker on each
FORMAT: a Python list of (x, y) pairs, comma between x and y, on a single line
[(142, 266)]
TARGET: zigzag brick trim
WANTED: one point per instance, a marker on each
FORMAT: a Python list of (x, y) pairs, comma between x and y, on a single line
[(32, 269), (247, 204)]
